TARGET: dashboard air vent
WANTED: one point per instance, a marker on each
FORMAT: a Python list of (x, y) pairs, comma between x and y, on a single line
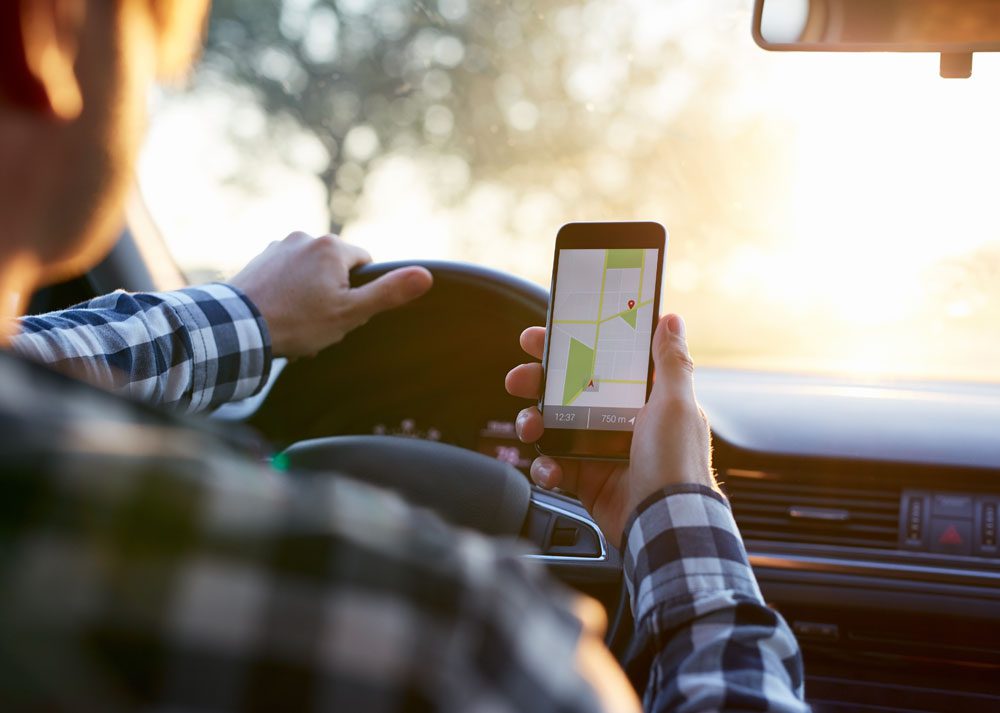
[(786, 507)]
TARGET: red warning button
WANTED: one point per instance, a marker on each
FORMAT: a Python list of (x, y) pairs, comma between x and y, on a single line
[(951, 536)]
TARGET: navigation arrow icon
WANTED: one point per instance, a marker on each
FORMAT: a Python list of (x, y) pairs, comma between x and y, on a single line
[(632, 420)]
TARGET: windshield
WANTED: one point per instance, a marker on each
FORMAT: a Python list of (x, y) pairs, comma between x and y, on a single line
[(830, 213)]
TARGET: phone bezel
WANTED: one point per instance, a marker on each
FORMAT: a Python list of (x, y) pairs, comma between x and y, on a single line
[(594, 443)]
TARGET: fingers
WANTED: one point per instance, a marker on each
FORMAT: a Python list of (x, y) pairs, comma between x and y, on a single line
[(329, 246), (528, 425), (296, 237), (533, 341), (671, 358), (393, 289), (525, 381), (352, 255), (546, 472)]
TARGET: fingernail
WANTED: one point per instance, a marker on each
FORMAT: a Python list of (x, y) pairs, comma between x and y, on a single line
[(414, 283), (542, 476), (675, 324)]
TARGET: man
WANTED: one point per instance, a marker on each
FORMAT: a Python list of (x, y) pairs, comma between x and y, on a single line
[(146, 564)]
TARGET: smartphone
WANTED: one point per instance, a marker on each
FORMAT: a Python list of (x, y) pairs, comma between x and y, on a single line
[(597, 365)]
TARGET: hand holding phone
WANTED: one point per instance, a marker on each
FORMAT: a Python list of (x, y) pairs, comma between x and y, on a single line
[(665, 441), (670, 444)]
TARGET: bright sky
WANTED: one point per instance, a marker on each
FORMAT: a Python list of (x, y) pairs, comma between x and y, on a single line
[(893, 174)]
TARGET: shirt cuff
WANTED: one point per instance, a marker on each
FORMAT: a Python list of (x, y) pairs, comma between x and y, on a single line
[(684, 556), (229, 341)]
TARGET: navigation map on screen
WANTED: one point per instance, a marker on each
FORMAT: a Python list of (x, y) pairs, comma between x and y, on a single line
[(598, 354)]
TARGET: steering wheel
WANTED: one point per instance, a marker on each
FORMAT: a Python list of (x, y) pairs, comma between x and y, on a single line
[(447, 352)]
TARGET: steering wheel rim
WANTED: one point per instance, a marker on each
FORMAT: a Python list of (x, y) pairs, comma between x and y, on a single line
[(465, 488), (460, 275)]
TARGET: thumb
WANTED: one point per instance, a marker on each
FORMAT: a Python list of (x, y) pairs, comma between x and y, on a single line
[(671, 358), (394, 289)]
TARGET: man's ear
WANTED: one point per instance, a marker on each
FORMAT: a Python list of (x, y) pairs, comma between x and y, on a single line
[(39, 40)]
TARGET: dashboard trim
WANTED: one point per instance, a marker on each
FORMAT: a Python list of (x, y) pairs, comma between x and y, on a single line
[(888, 570)]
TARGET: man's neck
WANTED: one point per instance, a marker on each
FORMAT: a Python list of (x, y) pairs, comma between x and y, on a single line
[(19, 275)]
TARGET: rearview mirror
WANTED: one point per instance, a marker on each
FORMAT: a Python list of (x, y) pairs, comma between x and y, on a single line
[(955, 28)]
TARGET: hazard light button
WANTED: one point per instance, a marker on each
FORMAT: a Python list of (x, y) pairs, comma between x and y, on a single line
[(951, 536)]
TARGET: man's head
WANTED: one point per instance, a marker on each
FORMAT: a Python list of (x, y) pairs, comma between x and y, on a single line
[(74, 78)]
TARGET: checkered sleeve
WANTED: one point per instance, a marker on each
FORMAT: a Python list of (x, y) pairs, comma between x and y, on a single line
[(700, 616), (190, 350)]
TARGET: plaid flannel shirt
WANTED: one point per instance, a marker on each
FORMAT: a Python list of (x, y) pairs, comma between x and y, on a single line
[(146, 564), (191, 350)]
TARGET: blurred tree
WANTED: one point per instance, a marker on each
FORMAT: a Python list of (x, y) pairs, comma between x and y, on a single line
[(549, 97)]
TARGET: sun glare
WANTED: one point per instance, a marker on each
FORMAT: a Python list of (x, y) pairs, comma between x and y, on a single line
[(829, 212)]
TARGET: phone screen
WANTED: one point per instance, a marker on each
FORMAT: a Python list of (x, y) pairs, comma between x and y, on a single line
[(597, 365)]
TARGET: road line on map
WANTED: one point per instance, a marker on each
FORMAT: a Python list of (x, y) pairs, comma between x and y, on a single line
[(600, 308), (619, 314)]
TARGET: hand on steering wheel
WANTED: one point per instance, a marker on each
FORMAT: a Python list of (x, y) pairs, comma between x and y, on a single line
[(301, 285)]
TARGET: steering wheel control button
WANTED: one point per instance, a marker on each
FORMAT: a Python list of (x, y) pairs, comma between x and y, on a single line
[(564, 534), (951, 505), (572, 538), (913, 521), (562, 531), (951, 536)]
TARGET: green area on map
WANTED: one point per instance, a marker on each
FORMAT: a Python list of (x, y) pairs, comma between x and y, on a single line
[(624, 259), (578, 370), (629, 317)]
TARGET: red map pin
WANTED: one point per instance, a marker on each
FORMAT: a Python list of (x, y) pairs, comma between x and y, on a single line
[(631, 304)]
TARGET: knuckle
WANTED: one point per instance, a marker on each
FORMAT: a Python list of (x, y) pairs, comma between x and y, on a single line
[(322, 248), (328, 264), (683, 357), (326, 242), (680, 406), (342, 313)]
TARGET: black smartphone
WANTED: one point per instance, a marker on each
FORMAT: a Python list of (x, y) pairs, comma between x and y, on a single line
[(597, 366)]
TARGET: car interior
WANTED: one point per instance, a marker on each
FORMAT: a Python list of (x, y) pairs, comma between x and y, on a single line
[(869, 507)]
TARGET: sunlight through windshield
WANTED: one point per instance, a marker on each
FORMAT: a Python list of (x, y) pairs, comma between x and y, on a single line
[(827, 213)]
